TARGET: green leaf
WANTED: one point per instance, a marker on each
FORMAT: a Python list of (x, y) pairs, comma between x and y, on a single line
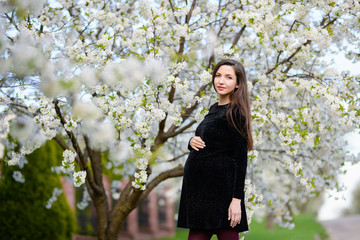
[(300, 172), (329, 31), (317, 141)]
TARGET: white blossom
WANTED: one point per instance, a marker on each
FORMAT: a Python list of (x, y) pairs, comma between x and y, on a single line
[(18, 177), (205, 77), (84, 201), (68, 164), (86, 110), (4, 100), (79, 178), (56, 193)]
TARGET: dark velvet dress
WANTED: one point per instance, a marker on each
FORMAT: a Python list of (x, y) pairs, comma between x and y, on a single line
[(214, 175)]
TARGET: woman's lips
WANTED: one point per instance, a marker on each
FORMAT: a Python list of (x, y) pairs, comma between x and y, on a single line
[(221, 88)]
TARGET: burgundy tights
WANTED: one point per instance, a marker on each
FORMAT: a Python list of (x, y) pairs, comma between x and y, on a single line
[(222, 234)]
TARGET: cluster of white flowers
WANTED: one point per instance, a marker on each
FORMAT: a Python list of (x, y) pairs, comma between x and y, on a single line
[(253, 155), (31, 145), (156, 72), (18, 177), (68, 164), (277, 90), (172, 110), (70, 125), (200, 114), (102, 89), (142, 163), (157, 114), (104, 43), (296, 169), (205, 77), (123, 122), (85, 200), (175, 68), (139, 36), (142, 128), (79, 178), (140, 180), (48, 118), (142, 151), (4, 126), (56, 193), (182, 30), (22, 128), (4, 100), (252, 197), (15, 158), (182, 11), (120, 153), (125, 73), (181, 85), (141, 176), (86, 111)]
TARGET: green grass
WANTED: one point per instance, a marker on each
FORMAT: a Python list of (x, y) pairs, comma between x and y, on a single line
[(306, 228)]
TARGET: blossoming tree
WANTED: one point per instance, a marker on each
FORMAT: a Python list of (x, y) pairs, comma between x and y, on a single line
[(132, 79)]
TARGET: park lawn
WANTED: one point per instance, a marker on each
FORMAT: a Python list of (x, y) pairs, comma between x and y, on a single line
[(306, 228)]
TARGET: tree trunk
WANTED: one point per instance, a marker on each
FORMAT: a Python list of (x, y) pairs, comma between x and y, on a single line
[(100, 202), (270, 221)]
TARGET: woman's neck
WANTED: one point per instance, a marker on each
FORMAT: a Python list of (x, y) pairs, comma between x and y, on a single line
[(224, 100)]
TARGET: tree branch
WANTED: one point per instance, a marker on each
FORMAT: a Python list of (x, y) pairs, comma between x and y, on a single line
[(95, 159), (80, 156), (289, 58), (174, 159), (299, 48), (171, 173), (188, 16), (173, 10), (61, 142), (238, 35), (172, 132)]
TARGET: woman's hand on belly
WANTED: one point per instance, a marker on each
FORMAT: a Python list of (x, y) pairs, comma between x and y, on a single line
[(196, 143), (234, 212)]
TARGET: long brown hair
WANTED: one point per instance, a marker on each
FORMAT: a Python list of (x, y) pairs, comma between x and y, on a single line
[(239, 100)]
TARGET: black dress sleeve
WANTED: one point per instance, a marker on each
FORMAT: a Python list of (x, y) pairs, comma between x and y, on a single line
[(189, 146), (240, 150)]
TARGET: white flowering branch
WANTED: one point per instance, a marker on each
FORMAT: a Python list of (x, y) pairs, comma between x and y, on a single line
[(80, 156)]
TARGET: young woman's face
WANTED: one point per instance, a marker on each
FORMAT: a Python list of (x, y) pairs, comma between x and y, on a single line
[(225, 80)]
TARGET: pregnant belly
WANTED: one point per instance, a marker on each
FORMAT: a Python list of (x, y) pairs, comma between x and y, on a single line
[(202, 165), (210, 176)]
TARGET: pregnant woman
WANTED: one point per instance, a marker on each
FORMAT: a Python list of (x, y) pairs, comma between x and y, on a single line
[(212, 196)]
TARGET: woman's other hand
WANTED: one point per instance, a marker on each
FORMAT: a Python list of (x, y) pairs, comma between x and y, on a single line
[(197, 143), (234, 212)]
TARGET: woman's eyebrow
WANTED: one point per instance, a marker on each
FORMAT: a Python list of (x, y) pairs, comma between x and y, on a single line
[(227, 74)]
